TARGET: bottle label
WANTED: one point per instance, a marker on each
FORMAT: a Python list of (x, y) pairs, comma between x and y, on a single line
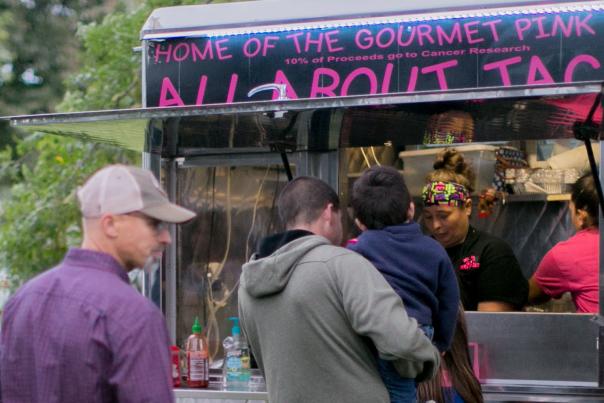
[(237, 367), (175, 365), (245, 368), (233, 366), (198, 367), (233, 359)]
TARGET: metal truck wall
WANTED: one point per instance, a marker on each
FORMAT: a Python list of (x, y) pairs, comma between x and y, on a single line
[(534, 348), (235, 206), (400, 57)]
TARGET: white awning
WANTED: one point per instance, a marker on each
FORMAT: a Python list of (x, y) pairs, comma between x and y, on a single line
[(275, 15)]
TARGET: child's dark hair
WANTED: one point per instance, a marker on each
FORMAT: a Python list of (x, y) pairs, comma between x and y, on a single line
[(380, 198), (458, 365), (585, 197)]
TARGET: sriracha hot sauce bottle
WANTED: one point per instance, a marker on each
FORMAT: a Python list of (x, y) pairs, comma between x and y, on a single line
[(197, 358)]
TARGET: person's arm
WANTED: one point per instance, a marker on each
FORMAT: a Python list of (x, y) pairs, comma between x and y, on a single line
[(548, 280), (536, 294), (141, 369), (448, 305), (495, 306), (377, 312), (255, 350)]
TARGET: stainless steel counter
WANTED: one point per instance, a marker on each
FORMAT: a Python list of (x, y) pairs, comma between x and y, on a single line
[(550, 394), (216, 394), (519, 357), (492, 394)]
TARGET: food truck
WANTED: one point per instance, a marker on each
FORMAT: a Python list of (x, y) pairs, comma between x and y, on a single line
[(240, 97)]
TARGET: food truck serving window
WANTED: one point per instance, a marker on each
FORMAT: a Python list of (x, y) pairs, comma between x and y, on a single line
[(496, 136)]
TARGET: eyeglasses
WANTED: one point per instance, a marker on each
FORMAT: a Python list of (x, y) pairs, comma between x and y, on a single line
[(158, 226)]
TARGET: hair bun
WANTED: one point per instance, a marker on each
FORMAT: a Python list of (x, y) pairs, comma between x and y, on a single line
[(452, 161)]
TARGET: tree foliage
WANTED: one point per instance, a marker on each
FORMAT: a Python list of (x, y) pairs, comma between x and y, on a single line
[(38, 50), (110, 77), (40, 219)]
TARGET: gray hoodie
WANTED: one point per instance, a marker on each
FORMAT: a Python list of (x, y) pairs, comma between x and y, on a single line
[(314, 314)]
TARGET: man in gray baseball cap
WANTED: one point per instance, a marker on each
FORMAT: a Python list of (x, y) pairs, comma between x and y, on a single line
[(79, 332), (123, 189), (114, 202)]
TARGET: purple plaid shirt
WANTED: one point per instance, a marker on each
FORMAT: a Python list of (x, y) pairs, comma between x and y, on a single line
[(79, 333)]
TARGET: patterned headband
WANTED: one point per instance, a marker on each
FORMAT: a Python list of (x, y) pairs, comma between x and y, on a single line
[(444, 194)]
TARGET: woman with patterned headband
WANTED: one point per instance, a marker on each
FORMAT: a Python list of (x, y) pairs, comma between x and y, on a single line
[(490, 278)]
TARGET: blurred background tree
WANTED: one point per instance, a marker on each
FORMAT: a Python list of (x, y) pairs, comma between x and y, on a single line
[(59, 55)]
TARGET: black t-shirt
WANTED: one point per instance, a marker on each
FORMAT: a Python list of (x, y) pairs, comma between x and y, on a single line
[(487, 270)]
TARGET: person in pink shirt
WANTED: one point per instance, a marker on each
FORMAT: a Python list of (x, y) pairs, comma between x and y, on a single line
[(572, 265)]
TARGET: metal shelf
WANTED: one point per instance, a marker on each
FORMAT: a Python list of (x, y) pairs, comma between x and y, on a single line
[(536, 197)]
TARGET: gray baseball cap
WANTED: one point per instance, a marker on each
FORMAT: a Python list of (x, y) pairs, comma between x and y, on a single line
[(122, 189)]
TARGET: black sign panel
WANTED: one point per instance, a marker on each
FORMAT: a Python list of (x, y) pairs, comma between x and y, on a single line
[(465, 53)]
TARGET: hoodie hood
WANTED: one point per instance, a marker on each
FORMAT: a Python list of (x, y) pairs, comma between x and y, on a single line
[(270, 275), (271, 243)]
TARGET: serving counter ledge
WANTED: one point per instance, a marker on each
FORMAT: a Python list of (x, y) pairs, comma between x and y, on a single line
[(216, 393), (534, 393), (492, 394)]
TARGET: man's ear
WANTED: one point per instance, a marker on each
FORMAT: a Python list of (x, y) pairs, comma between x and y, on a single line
[(327, 212), (108, 224), (333, 212), (411, 211)]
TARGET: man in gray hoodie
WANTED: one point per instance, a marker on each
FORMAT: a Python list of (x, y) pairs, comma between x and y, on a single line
[(317, 316)]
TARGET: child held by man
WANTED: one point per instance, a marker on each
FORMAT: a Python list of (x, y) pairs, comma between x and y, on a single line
[(416, 266)]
